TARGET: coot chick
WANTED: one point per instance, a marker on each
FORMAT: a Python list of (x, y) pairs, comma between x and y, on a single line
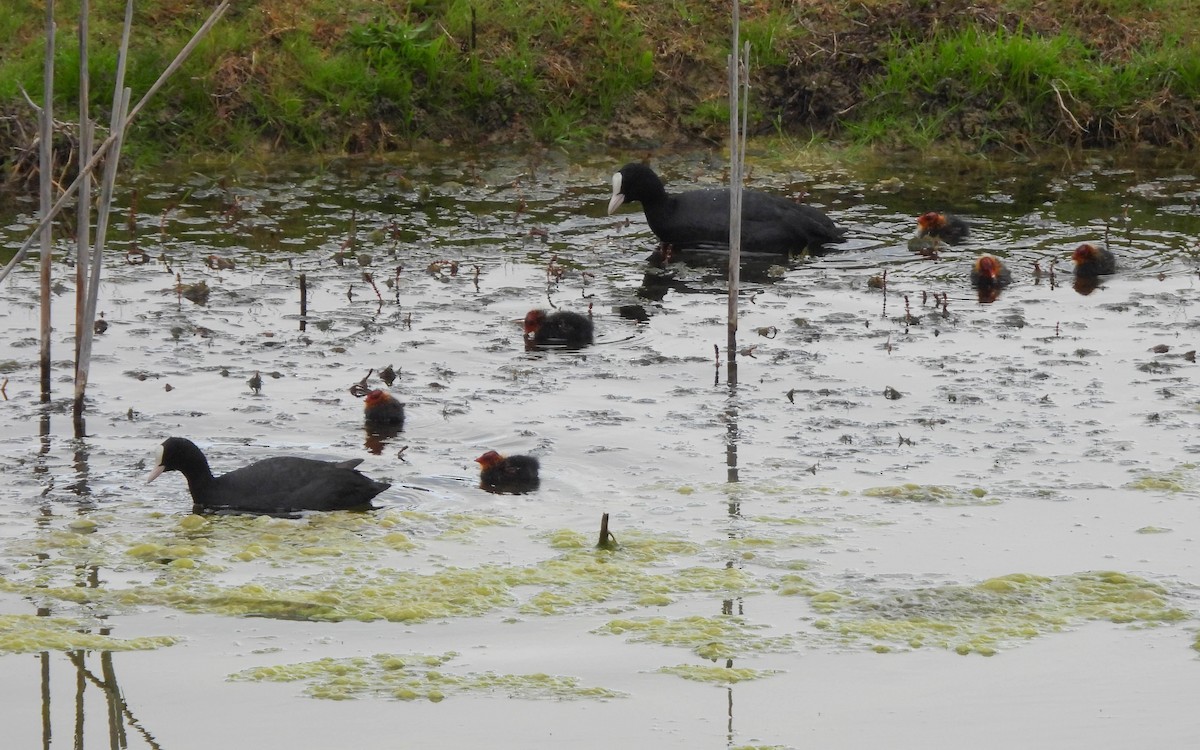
[(1092, 261), (989, 272), (699, 218), (382, 408), (562, 327), (514, 474), (273, 486), (949, 229)]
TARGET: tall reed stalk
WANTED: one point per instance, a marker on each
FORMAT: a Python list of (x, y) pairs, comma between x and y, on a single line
[(739, 87), (83, 208), (88, 269), (46, 181)]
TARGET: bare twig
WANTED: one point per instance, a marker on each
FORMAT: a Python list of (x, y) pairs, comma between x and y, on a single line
[(1062, 105)]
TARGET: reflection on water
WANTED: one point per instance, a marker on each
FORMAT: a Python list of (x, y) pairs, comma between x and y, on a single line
[(1039, 432), (378, 436), (1085, 285)]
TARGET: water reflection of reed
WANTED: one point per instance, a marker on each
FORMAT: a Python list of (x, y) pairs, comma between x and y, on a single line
[(731, 607), (117, 714)]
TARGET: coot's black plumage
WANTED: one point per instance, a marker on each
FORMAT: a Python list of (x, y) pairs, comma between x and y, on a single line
[(698, 218), (382, 408), (1092, 261), (947, 228), (272, 485), (989, 271), (561, 327), (513, 474)]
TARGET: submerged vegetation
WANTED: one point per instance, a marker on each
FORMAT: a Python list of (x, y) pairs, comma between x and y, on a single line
[(355, 77), (279, 568), (417, 677)]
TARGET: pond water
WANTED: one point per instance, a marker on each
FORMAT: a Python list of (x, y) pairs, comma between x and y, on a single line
[(917, 517)]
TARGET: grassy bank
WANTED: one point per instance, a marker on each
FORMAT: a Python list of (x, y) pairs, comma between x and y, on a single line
[(358, 76)]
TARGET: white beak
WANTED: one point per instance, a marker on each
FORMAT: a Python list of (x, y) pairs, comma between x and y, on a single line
[(158, 468), (617, 197)]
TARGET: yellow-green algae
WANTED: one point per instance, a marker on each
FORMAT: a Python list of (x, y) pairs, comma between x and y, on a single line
[(720, 637), (932, 493), (793, 584), (717, 675), (982, 617), (1169, 482), (23, 634), (635, 574), (416, 677), (774, 542), (767, 487), (221, 542), (789, 520), (332, 567)]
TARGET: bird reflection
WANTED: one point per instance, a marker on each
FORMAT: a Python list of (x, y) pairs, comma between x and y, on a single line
[(704, 270), (378, 436), (1085, 285)]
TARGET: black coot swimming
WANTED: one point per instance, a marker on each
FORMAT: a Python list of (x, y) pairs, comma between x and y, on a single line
[(272, 486), (514, 474), (562, 327), (700, 218)]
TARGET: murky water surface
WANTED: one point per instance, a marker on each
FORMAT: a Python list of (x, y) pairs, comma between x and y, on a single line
[(1004, 555)]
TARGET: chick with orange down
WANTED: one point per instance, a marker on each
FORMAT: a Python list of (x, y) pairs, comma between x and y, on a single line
[(512, 474), (1091, 261), (989, 272), (949, 229), (382, 408)]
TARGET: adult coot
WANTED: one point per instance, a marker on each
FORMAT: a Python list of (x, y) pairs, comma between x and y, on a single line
[(514, 474), (382, 408), (989, 271), (274, 485), (562, 327), (949, 229), (1092, 261), (698, 218)]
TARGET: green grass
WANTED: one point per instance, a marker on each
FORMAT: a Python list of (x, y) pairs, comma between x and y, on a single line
[(357, 75), (1017, 80), (769, 34)]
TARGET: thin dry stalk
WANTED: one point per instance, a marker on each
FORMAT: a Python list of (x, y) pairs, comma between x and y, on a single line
[(737, 166), (121, 95), (83, 208), (46, 180)]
